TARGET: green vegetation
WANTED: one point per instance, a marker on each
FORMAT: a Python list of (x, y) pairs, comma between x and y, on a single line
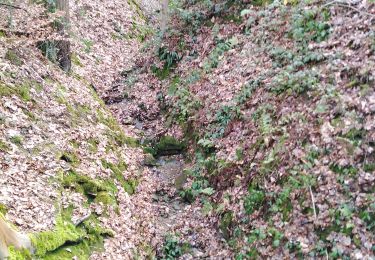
[(3, 209), (12, 56), (115, 131), (22, 254), (22, 91), (310, 25), (17, 139), (169, 59), (70, 157), (254, 200), (96, 190), (4, 147), (67, 240), (172, 248), (118, 170), (168, 145)]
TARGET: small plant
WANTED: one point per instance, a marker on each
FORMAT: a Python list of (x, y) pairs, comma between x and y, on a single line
[(49, 50), (3, 146), (70, 157), (17, 140), (87, 43), (294, 82), (172, 248), (306, 26), (12, 56), (254, 200), (169, 59), (213, 59)]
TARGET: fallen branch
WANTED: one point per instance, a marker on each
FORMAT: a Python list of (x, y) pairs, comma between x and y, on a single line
[(343, 4), (18, 33), (14, 6), (313, 203), (83, 219)]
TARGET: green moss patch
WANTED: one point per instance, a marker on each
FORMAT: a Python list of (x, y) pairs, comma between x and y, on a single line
[(15, 254), (3, 146), (22, 91), (70, 157), (167, 145), (16, 139), (95, 190), (49, 241), (13, 57), (3, 209), (129, 185), (67, 241)]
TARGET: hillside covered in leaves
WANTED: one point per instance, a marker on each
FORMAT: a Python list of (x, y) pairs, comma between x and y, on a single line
[(242, 130)]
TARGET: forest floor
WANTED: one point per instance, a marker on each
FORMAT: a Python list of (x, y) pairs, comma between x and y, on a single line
[(243, 132)]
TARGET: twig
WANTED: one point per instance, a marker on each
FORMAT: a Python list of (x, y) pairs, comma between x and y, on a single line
[(342, 4), (14, 6), (18, 33), (84, 218), (313, 202)]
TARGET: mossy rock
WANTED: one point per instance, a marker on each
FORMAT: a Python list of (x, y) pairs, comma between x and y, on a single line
[(48, 241), (168, 145), (68, 241), (130, 186), (149, 160), (105, 198), (87, 186), (3, 209)]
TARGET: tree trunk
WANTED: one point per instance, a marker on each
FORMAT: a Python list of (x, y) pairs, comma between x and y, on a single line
[(64, 54), (164, 16), (63, 5)]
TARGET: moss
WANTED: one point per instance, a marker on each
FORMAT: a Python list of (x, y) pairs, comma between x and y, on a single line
[(15, 254), (150, 150), (137, 8), (67, 241), (169, 146), (3, 146), (75, 144), (70, 157), (3, 209), (129, 185), (93, 145), (87, 186), (150, 160), (23, 92), (2, 119), (116, 133), (49, 241), (5, 90), (12, 56), (30, 115), (16, 139), (105, 198), (75, 60)]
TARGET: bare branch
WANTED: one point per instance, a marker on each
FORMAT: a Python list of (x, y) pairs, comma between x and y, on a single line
[(14, 6), (343, 4)]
